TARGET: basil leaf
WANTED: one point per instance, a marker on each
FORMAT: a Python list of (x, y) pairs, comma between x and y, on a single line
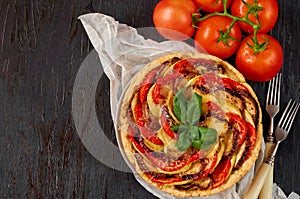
[(197, 144), (180, 127), (184, 128), (189, 114), (183, 142), (194, 133), (194, 109), (202, 130), (175, 127), (208, 137), (179, 105)]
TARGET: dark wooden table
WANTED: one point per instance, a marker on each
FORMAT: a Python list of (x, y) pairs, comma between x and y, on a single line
[(42, 45)]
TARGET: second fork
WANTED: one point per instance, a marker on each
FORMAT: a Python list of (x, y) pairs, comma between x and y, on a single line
[(272, 107), (281, 132)]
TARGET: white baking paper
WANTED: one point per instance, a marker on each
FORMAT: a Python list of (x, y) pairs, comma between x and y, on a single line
[(279, 194), (122, 52)]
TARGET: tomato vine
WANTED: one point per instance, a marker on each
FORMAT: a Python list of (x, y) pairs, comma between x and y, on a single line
[(224, 35)]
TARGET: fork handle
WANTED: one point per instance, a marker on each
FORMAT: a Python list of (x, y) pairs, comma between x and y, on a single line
[(258, 181), (267, 189), (270, 137)]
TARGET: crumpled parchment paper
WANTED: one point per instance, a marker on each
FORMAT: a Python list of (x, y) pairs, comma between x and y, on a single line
[(279, 194), (123, 52)]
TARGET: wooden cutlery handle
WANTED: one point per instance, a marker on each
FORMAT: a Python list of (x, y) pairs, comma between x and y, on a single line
[(258, 182), (267, 189)]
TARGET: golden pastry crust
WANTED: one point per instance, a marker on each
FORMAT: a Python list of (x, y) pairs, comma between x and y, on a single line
[(130, 151)]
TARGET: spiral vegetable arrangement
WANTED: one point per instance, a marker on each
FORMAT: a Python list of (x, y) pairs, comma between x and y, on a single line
[(190, 124)]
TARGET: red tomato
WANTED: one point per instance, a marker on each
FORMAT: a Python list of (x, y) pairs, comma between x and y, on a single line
[(211, 5), (208, 33), (173, 19), (267, 16), (262, 66)]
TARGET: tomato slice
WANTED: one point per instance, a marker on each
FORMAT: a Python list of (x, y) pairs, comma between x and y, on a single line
[(221, 172)]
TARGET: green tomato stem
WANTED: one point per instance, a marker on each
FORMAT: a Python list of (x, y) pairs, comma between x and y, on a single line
[(225, 6)]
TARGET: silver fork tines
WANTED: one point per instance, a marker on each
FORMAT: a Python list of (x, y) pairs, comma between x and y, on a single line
[(272, 103), (273, 95), (284, 126), (288, 116)]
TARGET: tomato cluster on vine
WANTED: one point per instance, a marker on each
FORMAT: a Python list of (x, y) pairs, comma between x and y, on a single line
[(226, 28)]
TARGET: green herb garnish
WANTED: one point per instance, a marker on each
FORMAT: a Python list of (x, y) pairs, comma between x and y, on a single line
[(188, 112)]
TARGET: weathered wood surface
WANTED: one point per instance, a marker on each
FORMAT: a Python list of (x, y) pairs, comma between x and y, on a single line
[(42, 45)]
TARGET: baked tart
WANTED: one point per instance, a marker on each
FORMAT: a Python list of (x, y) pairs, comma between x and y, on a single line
[(190, 125)]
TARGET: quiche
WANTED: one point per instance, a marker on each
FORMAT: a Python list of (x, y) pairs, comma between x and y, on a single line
[(190, 125)]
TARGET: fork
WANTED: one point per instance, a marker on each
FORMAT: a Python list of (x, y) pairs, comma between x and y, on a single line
[(281, 133), (272, 103), (272, 108)]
